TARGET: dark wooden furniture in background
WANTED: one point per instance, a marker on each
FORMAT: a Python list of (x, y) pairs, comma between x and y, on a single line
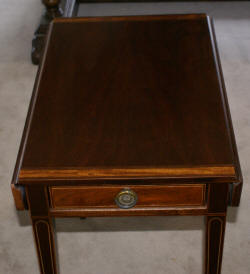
[(53, 9), (129, 117)]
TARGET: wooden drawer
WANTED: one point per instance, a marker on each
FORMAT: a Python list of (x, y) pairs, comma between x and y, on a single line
[(147, 196)]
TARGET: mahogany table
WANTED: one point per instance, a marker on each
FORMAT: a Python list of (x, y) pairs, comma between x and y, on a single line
[(129, 117)]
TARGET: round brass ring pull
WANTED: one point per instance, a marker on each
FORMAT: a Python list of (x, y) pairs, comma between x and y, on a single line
[(126, 198)]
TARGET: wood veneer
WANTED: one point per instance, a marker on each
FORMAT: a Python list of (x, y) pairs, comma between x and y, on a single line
[(129, 101), (188, 127), (148, 196), (200, 172)]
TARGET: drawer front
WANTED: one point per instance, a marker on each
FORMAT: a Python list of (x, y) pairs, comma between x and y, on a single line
[(116, 196)]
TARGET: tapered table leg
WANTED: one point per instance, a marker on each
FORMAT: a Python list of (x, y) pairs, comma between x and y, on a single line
[(43, 229), (44, 239), (215, 226)]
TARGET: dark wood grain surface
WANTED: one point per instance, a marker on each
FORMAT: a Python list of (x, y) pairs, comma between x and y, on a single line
[(129, 92), (128, 112)]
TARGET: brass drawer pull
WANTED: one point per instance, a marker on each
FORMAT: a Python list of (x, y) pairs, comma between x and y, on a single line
[(126, 198)]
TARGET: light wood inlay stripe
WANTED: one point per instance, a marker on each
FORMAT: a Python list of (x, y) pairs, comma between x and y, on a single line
[(217, 171)]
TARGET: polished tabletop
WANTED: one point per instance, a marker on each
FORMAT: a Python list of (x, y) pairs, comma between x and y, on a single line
[(138, 96)]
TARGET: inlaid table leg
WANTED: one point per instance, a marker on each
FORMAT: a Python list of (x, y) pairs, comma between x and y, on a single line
[(214, 243), (43, 229), (44, 239)]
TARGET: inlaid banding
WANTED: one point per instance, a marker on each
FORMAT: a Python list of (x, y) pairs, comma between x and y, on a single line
[(212, 171)]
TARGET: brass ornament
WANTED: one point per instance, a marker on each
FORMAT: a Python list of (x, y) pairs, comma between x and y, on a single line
[(126, 198)]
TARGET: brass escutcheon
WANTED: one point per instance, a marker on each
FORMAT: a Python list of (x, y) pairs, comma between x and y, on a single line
[(126, 198)]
